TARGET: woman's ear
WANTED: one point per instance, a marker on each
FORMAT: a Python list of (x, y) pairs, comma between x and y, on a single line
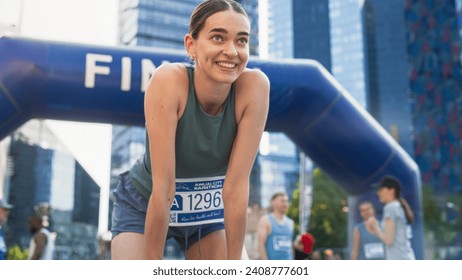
[(189, 46)]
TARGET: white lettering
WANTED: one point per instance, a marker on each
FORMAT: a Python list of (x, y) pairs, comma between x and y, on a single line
[(91, 69), (175, 203), (125, 83)]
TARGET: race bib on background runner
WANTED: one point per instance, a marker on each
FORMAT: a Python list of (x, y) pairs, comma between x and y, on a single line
[(197, 201), (374, 250)]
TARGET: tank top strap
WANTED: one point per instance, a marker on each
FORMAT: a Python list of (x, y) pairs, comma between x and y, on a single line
[(190, 69)]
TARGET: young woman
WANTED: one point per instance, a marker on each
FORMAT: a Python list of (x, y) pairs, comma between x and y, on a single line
[(204, 124), (397, 217)]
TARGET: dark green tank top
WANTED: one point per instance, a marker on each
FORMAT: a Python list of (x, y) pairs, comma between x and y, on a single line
[(202, 146)]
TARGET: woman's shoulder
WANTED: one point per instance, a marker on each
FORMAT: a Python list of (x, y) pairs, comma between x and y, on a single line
[(391, 206), (250, 75), (170, 71), (168, 78), (253, 81)]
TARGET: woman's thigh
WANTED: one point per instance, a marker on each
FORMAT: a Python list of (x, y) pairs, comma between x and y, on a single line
[(127, 246), (210, 247)]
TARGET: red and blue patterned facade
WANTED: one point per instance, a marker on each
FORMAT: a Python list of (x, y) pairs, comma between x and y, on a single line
[(434, 38)]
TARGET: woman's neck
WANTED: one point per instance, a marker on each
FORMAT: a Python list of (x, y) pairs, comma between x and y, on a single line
[(211, 95)]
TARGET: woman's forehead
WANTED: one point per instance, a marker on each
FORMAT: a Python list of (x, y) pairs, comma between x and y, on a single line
[(229, 21)]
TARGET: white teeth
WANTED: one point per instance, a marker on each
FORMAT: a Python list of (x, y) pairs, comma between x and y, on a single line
[(227, 65)]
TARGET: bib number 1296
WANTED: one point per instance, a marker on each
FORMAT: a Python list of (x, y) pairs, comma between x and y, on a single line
[(197, 201), (205, 201)]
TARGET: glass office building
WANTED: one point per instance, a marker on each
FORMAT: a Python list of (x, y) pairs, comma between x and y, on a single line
[(280, 26), (434, 49), (278, 162), (368, 54), (43, 172), (154, 23), (348, 48), (297, 29), (311, 27), (387, 68)]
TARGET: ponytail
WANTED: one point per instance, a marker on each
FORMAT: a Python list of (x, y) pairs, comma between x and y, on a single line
[(407, 210)]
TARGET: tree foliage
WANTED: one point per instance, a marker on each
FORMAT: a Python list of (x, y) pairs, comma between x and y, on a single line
[(436, 220), (329, 215)]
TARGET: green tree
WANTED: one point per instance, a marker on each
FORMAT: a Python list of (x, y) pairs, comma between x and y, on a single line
[(435, 220), (294, 209), (329, 215)]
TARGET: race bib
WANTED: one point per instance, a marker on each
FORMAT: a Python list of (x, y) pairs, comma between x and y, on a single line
[(197, 201), (374, 251), (282, 243)]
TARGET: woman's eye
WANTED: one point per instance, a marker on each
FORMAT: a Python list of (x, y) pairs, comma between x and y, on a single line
[(217, 38), (243, 41)]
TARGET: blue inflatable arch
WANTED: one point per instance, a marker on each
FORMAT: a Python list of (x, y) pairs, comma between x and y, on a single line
[(62, 81)]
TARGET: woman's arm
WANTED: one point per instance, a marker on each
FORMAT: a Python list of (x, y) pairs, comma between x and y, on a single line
[(387, 235), (252, 102), (162, 106)]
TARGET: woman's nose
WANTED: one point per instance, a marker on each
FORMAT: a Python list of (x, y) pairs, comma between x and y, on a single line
[(230, 50)]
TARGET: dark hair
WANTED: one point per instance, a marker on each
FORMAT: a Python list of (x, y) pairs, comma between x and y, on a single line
[(207, 8), (390, 182)]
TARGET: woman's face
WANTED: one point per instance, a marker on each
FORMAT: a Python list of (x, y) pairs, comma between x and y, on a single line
[(221, 50), (386, 194)]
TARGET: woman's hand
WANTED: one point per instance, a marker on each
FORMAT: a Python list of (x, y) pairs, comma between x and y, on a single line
[(372, 225)]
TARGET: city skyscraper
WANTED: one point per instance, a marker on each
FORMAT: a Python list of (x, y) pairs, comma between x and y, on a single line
[(434, 49), (387, 68), (280, 29), (311, 27), (347, 47), (42, 172), (362, 44)]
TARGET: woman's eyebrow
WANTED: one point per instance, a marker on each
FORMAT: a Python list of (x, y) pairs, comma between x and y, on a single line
[(222, 30)]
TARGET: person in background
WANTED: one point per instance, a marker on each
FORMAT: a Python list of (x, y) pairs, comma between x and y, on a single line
[(42, 245), (366, 246), (4, 211), (316, 255), (394, 230), (276, 231), (303, 245), (328, 254)]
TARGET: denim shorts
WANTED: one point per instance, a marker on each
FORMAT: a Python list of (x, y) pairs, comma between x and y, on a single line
[(129, 215)]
